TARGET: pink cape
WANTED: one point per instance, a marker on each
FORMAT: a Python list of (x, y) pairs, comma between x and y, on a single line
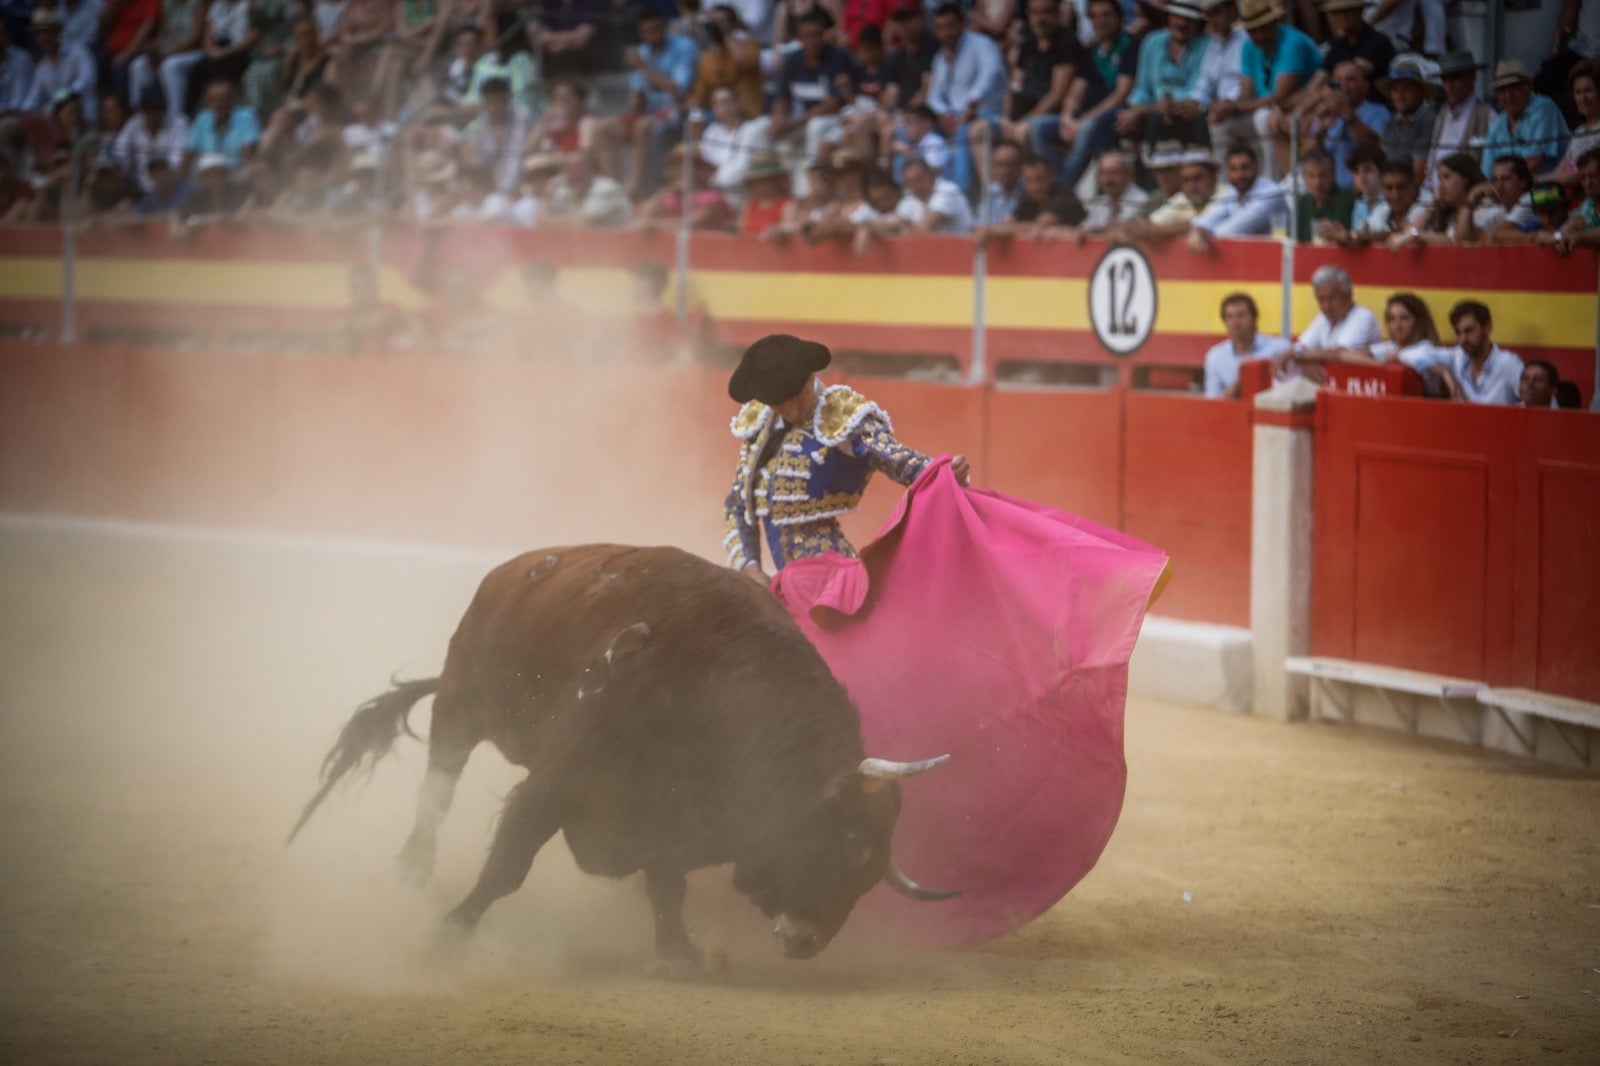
[(998, 631)]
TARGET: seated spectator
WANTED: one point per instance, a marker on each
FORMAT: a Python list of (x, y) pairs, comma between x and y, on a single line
[(1118, 199), (216, 197), (465, 49), (809, 95), (176, 53), (567, 125), (16, 195), (1050, 66), (433, 199), (493, 141), (1342, 331), (867, 121), (662, 70), (1464, 207), (58, 67), (1414, 341), (152, 132), (105, 192), (1463, 122), (730, 61), (405, 59), (1538, 384), (1352, 118), (808, 214), (766, 196), (226, 40), (1583, 228), (1511, 181), (709, 208), (933, 204), (506, 63), (1409, 133), (1249, 203), (1549, 203), (224, 129), (1486, 372), (361, 198), (1352, 39), (580, 38), (1113, 57), (1584, 82), (45, 206), (169, 191), (1529, 126), (1169, 96), (967, 85), (311, 183), (1044, 204), (1322, 201), (304, 63), (1223, 75), (16, 75), (922, 140), (1164, 163), (879, 216), (1366, 163), (1245, 342), (126, 28), (731, 141), (909, 61), (261, 84), (1283, 66), (1005, 185), (1198, 192), (582, 196), (1401, 214)]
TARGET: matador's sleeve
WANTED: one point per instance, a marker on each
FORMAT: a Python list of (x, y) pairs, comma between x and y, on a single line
[(739, 534), (874, 440)]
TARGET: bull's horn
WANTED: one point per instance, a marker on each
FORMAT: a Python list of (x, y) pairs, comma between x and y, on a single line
[(889, 770), (907, 887)]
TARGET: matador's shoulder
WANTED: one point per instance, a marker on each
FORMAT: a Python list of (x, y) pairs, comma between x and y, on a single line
[(748, 422), (841, 410)]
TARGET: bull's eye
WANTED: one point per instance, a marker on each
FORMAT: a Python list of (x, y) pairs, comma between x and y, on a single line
[(857, 848)]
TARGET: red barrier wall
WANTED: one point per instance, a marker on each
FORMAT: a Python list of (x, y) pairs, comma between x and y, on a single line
[(1459, 541)]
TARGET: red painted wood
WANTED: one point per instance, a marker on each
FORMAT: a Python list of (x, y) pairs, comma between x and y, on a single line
[(1060, 447), (1520, 269), (1186, 488)]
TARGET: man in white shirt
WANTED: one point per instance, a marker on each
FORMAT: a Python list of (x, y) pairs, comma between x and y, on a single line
[(1118, 199), (730, 141), (932, 204), (1486, 372), (1248, 205), (1245, 342), (1339, 326), (150, 133)]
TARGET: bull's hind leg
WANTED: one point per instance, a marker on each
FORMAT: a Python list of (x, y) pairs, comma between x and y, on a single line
[(450, 741), (531, 817), (666, 889)]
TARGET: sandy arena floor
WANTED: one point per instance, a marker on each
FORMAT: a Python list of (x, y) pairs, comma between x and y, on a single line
[(1273, 894)]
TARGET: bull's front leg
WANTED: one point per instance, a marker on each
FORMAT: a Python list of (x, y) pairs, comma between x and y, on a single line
[(667, 888)]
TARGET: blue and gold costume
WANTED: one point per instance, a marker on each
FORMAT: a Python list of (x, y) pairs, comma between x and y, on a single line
[(808, 476)]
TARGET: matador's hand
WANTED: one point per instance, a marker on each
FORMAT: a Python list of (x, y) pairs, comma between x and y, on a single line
[(754, 572), (963, 472)]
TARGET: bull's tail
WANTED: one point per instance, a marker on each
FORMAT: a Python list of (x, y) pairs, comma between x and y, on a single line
[(367, 737)]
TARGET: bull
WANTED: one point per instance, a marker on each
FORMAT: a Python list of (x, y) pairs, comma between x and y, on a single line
[(671, 716)]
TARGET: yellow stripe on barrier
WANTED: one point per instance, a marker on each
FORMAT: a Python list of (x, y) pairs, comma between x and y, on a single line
[(1549, 320)]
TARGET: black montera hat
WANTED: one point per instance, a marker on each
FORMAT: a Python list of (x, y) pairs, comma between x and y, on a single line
[(775, 368)]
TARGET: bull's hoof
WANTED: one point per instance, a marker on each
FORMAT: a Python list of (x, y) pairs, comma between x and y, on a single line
[(450, 941)]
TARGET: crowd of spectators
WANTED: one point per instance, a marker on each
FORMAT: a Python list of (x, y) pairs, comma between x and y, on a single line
[(1472, 370), (803, 119)]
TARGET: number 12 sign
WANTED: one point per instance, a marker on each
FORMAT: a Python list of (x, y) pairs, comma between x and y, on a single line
[(1122, 299)]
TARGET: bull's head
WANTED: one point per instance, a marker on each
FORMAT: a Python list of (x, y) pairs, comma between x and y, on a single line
[(809, 881)]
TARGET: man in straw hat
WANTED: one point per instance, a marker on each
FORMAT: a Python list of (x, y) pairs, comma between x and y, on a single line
[(59, 66), (806, 454), (1409, 134), (1463, 122), (1169, 95), (1283, 67), (1528, 125)]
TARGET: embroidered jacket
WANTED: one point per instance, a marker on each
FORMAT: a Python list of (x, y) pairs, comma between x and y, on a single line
[(811, 474)]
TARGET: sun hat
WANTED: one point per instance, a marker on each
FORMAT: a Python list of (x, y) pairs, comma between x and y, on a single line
[(1460, 62), (765, 166), (775, 368), (212, 161), (1406, 68), (1510, 72), (45, 18), (1253, 13)]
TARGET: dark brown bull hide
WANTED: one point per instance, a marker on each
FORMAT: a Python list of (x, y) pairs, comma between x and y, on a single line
[(671, 716)]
